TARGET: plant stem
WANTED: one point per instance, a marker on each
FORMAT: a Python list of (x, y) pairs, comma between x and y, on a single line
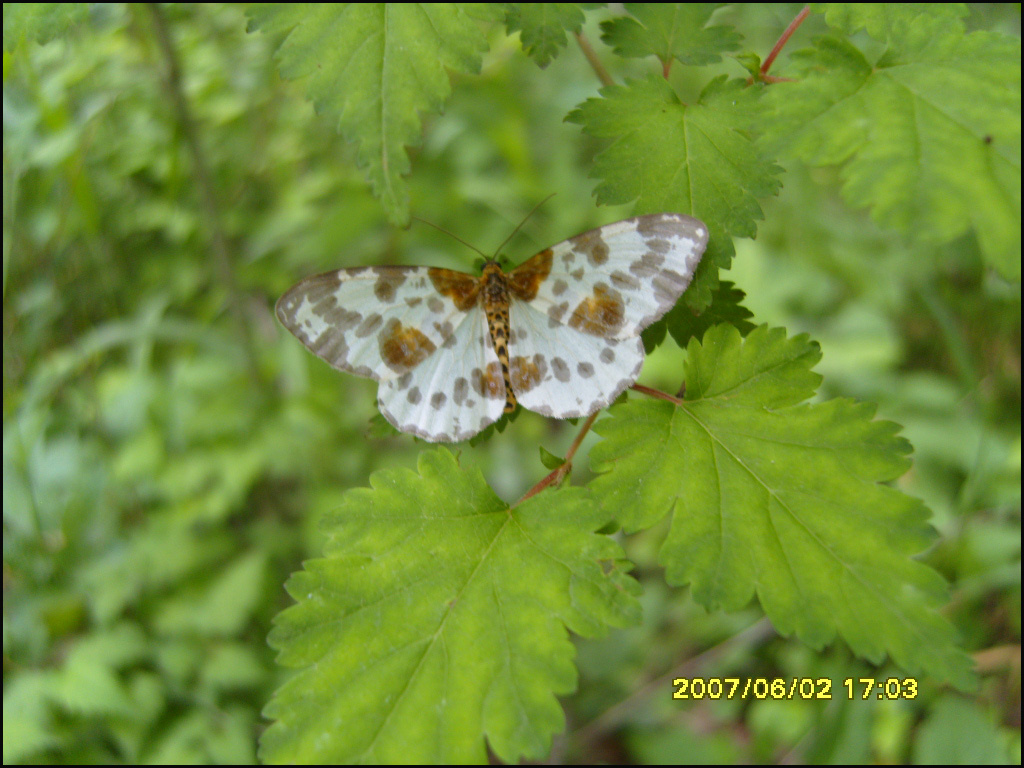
[(210, 203), (784, 38), (555, 477), (595, 63), (657, 393)]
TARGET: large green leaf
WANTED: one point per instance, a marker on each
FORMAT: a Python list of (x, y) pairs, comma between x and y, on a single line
[(928, 134), (376, 66), (438, 617), (689, 158), (775, 497)]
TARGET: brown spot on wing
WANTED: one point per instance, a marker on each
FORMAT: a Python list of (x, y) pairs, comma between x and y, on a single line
[(525, 280), (591, 245), (526, 373), (461, 288), (601, 314), (387, 284), (403, 347), (489, 383)]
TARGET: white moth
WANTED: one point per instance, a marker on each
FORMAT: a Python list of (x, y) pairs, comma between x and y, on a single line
[(559, 334)]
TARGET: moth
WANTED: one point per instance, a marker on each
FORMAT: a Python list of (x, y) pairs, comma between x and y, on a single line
[(453, 352)]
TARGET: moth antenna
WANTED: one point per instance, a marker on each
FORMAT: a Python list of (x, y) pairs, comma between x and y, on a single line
[(532, 211), (451, 234)]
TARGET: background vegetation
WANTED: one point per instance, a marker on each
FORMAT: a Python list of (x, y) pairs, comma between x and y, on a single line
[(171, 455)]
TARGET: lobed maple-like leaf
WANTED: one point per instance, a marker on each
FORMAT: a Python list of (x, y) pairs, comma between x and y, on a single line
[(690, 158), (375, 66), (543, 26), (774, 497), (437, 618), (928, 135), (670, 31)]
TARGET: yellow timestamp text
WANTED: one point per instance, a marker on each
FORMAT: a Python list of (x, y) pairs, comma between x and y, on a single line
[(697, 688)]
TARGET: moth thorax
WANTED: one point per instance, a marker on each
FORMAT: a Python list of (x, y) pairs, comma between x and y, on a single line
[(495, 286)]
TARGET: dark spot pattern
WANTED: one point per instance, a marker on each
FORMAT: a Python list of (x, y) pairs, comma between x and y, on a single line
[(560, 369), (624, 282), (460, 390), (386, 287), (592, 245), (556, 312), (369, 326)]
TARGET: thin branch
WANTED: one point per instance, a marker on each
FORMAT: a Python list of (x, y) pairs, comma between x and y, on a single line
[(210, 204), (782, 41), (554, 478), (657, 393), (595, 63)]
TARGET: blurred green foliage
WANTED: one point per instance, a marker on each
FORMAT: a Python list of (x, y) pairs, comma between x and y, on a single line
[(169, 453)]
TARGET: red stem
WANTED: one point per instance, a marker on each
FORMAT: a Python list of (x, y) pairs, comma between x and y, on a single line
[(783, 39), (657, 393), (556, 477)]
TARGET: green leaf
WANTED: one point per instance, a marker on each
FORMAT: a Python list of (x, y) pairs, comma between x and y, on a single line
[(543, 26), (685, 324), (959, 732), (438, 617), (550, 460), (40, 22), (905, 27), (376, 66), (670, 31), (688, 158), (28, 724), (928, 135), (785, 500), (88, 683), (223, 607)]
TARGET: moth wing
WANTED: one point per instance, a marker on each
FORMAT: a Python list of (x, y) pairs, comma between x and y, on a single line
[(577, 309), (377, 322), (416, 330), (564, 373), (615, 280), (452, 394)]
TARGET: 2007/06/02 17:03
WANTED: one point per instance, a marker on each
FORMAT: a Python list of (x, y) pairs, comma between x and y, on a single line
[(890, 688)]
